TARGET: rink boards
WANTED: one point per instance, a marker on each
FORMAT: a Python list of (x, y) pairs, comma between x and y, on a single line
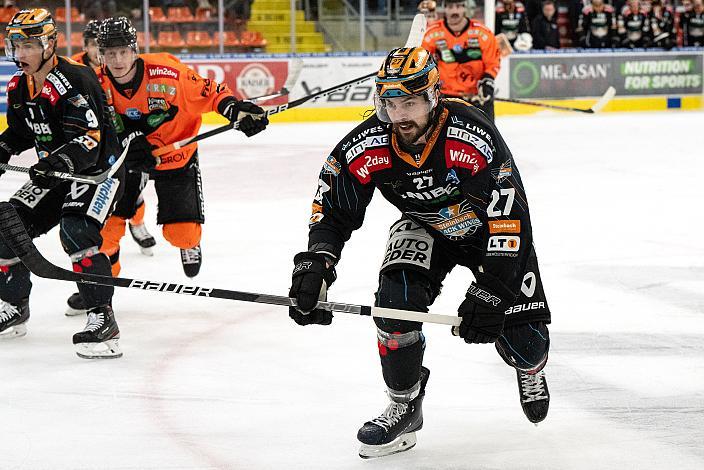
[(644, 81)]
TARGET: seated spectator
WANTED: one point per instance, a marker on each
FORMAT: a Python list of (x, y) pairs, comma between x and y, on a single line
[(511, 20), (596, 28), (544, 28), (692, 23), (662, 24), (634, 26)]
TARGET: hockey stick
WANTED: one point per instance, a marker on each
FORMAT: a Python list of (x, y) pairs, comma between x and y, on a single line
[(598, 106), (89, 179), (294, 71), (15, 235), (415, 38)]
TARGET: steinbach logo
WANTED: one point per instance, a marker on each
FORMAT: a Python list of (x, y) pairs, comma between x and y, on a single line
[(155, 71), (457, 154), (372, 160)]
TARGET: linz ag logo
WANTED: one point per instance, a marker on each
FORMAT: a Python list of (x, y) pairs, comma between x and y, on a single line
[(156, 71)]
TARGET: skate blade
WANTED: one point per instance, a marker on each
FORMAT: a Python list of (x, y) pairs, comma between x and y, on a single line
[(146, 250), (400, 444), (16, 331), (106, 350), (74, 312)]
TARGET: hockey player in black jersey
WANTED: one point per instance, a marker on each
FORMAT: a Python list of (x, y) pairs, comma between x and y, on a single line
[(444, 165), (56, 105), (596, 27)]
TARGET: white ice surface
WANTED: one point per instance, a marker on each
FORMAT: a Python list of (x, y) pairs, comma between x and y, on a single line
[(205, 384)]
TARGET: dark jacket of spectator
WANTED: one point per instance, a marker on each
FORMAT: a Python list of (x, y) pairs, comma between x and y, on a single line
[(545, 32)]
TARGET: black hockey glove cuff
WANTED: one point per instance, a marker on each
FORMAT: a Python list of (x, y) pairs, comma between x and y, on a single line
[(58, 162), (485, 90), (139, 155), (252, 118), (5, 154), (312, 275), (482, 315)]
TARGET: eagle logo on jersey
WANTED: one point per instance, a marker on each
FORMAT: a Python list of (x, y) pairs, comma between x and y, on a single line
[(454, 222)]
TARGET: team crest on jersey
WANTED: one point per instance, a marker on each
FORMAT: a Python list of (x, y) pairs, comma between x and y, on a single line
[(454, 222), (503, 172), (460, 155), (78, 101), (375, 159), (331, 166)]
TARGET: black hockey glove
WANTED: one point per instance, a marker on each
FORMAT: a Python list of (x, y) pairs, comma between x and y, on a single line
[(59, 162), (311, 277), (252, 118), (139, 155), (485, 90), (482, 315), (4, 156)]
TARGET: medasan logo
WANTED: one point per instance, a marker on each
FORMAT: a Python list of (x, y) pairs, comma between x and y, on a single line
[(255, 80), (525, 78)]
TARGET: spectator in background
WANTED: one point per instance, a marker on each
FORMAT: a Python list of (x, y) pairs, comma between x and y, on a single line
[(634, 26), (242, 12), (97, 10), (544, 28), (692, 23), (662, 24), (512, 21), (597, 26)]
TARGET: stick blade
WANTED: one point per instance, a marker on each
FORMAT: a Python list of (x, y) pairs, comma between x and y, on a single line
[(418, 28), (294, 70), (604, 100), (13, 231)]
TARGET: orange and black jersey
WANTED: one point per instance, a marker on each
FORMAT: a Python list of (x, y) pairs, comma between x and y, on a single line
[(81, 57), (464, 57), (164, 101), (68, 114), (463, 187)]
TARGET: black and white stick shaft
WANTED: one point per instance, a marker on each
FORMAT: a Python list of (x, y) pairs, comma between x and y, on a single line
[(17, 238)]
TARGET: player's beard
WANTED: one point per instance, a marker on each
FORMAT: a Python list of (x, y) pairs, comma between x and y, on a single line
[(409, 133)]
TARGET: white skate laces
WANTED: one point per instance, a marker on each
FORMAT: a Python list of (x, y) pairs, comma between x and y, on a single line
[(95, 321), (393, 414), (532, 387), (7, 311), (190, 255)]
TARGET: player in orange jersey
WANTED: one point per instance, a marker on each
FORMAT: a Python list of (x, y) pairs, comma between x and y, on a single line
[(89, 57), (467, 55), (159, 101)]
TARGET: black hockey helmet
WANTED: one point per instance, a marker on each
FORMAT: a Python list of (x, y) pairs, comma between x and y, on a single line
[(117, 32), (91, 30)]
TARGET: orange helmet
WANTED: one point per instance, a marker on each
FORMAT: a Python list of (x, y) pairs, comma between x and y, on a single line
[(407, 71), (35, 23)]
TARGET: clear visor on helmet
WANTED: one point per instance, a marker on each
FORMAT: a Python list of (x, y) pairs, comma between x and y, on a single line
[(16, 42), (405, 108)]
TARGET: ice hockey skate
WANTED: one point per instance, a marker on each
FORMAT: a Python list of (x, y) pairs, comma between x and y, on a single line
[(143, 238), (76, 305), (99, 338), (534, 394), (395, 430), (13, 319), (191, 259)]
